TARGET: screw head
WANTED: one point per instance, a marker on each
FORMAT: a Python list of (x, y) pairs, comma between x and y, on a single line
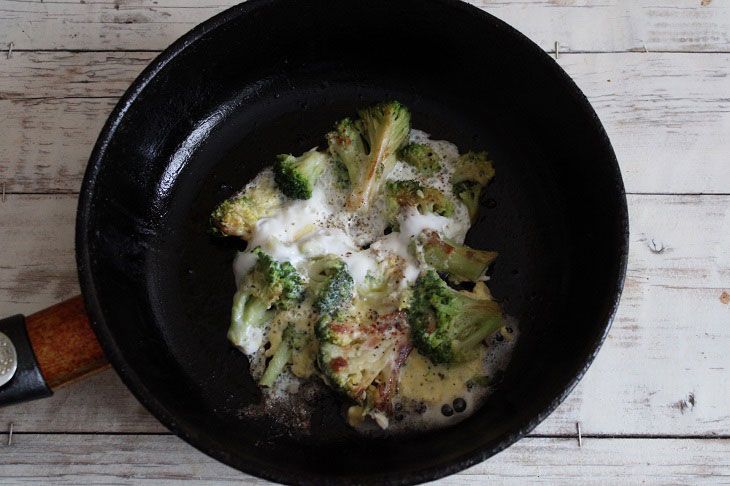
[(8, 359)]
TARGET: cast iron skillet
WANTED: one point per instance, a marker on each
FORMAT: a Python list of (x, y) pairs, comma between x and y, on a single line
[(271, 76)]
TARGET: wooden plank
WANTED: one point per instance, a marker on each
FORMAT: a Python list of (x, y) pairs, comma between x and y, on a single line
[(588, 25), (166, 460), (604, 461), (668, 115), (37, 266), (664, 369), (33, 75), (46, 143), (616, 25), (100, 403)]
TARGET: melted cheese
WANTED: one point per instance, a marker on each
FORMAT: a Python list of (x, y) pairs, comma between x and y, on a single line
[(422, 380)]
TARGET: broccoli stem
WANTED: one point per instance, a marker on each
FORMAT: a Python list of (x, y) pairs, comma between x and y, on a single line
[(472, 321), (458, 261), (276, 365), (248, 311), (312, 165), (478, 328)]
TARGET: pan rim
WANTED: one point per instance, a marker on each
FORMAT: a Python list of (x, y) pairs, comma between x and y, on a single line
[(148, 399)]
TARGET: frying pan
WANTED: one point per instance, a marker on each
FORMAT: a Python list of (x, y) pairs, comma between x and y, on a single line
[(271, 76)]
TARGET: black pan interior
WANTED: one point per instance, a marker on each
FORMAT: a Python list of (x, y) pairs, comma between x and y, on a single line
[(271, 76)]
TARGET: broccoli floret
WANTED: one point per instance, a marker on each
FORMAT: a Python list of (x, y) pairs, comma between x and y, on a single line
[(292, 340), (469, 193), (296, 176), (238, 215), (472, 173), (347, 146), (361, 355), (399, 194), (422, 157), (368, 148), (387, 126), (459, 261), (334, 286), (446, 325), (269, 283)]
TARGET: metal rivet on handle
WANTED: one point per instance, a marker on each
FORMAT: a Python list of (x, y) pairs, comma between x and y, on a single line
[(8, 359)]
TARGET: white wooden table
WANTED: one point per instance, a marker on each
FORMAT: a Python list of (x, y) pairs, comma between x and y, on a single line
[(654, 407)]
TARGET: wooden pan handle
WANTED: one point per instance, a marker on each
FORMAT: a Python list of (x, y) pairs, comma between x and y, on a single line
[(64, 343), (47, 350)]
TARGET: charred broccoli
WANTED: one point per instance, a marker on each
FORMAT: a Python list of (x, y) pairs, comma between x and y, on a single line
[(361, 355), (447, 326), (422, 157), (472, 173), (269, 283), (238, 215), (399, 194), (296, 176), (292, 340), (459, 261), (367, 147)]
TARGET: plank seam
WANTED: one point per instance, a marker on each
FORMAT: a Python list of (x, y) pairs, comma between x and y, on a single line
[(58, 98), (633, 50), (530, 436)]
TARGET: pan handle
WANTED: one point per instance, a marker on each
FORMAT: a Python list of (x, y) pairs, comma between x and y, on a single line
[(47, 350)]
